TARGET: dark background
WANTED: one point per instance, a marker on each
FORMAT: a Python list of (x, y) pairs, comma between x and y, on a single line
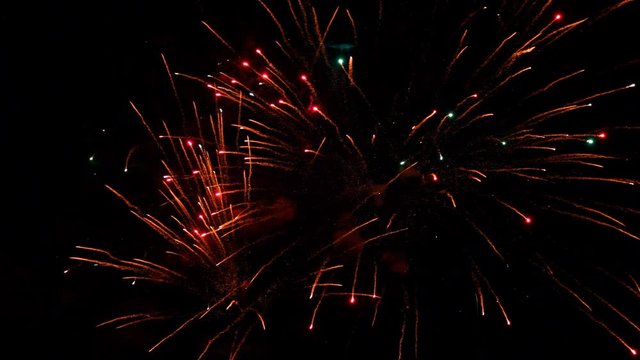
[(69, 70)]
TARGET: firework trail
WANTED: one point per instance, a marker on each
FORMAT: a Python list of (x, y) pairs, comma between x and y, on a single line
[(315, 168)]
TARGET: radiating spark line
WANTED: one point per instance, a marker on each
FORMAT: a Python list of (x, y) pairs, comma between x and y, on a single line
[(271, 261), (353, 26), (220, 38), (217, 336), (315, 310), (375, 278), (422, 122), (402, 333), (139, 321), (599, 179), (400, 174), (180, 328), (235, 352), (515, 210), (591, 210), (495, 52), (598, 222), (345, 235), (144, 122), (376, 307), (390, 221), (389, 233), (616, 310), (479, 295), (487, 239), (124, 317), (355, 146), (603, 93), (453, 201), (555, 82), (264, 326), (355, 279), (567, 289), (612, 333), (275, 20)]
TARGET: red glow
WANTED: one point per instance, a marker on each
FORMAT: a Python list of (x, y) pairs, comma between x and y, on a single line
[(265, 76), (280, 101), (434, 177), (558, 17), (234, 81), (259, 51), (245, 64), (218, 194), (528, 220), (189, 142), (303, 77), (602, 135), (634, 352), (315, 108), (218, 94), (352, 300)]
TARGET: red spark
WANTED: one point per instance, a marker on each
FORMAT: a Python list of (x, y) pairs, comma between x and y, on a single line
[(265, 76), (315, 108), (245, 63), (602, 135), (189, 142), (303, 77), (528, 220), (558, 17)]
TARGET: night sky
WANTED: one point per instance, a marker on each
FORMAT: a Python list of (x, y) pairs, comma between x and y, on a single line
[(69, 71)]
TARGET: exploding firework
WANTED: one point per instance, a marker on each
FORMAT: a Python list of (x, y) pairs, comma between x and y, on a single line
[(318, 170)]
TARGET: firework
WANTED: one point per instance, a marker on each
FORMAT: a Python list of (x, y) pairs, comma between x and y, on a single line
[(316, 167)]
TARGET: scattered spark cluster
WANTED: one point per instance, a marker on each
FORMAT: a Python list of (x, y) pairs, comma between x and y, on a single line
[(305, 174)]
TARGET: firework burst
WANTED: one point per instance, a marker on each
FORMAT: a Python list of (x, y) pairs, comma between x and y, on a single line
[(313, 168)]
